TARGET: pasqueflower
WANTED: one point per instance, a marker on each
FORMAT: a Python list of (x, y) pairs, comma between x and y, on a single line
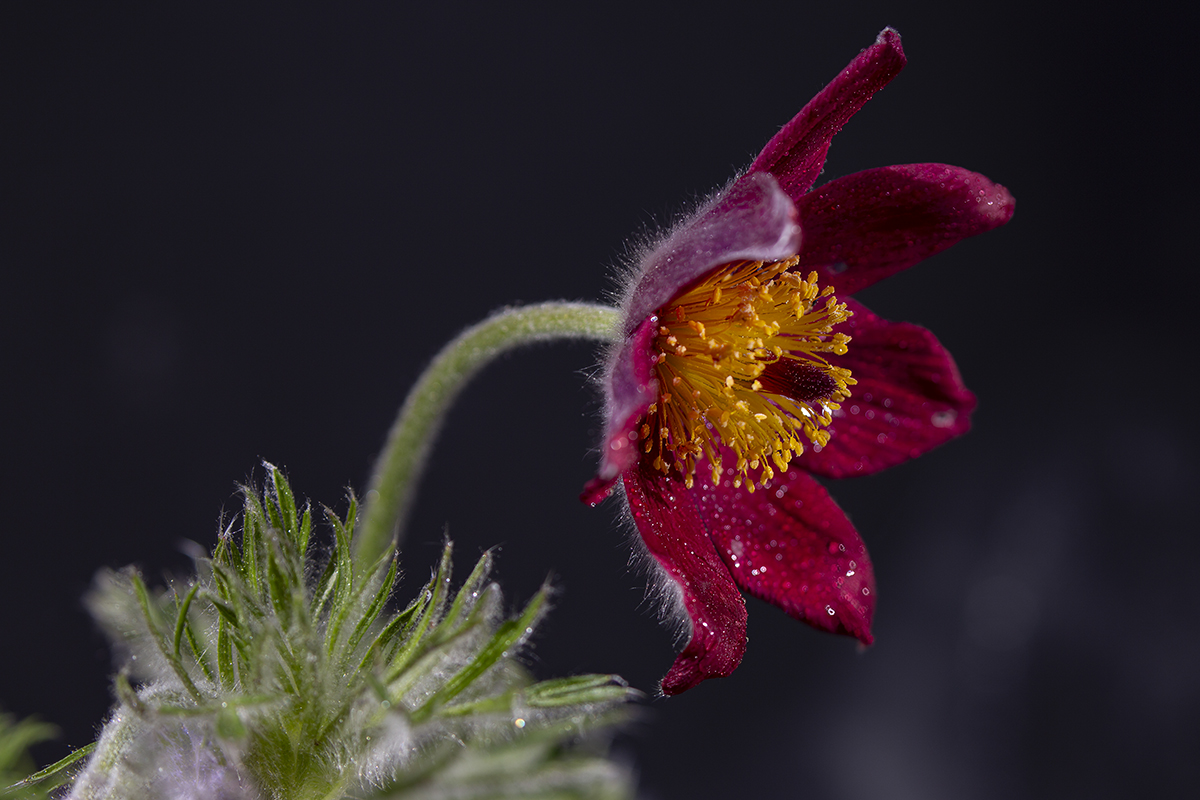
[(742, 365)]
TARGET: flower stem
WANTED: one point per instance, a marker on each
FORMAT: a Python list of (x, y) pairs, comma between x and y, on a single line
[(398, 469)]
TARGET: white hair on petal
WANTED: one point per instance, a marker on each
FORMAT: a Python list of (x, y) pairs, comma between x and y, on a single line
[(662, 591)]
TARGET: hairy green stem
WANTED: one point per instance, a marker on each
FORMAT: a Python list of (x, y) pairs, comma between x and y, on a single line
[(389, 496)]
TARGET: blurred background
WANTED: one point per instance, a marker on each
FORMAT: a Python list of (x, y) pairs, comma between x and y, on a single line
[(231, 233)]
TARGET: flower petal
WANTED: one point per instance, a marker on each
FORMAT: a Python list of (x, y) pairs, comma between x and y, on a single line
[(791, 545), (796, 155), (630, 388), (752, 220), (669, 521), (908, 400), (864, 227)]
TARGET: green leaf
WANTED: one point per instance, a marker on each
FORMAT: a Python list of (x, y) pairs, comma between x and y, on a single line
[(56, 769), (578, 689), (181, 617), (464, 601), (281, 588), (508, 637), (305, 531), (395, 630), (351, 606), (343, 579), (143, 598), (225, 655), (437, 588), (373, 610), (253, 522), (287, 505)]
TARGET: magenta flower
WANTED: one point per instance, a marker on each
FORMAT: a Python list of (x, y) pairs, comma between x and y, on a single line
[(743, 366)]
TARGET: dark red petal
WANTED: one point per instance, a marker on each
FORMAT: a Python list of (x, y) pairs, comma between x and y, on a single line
[(630, 388), (753, 220), (671, 527), (908, 400), (864, 227), (790, 544), (796, 154)]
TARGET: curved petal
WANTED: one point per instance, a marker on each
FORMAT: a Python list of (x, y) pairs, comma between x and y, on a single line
[(790, 545), (796, 154), (864, 227), (908, 400), (669, 521), (629, 389), (752, 220)]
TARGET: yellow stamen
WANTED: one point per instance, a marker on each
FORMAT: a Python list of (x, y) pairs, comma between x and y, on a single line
[(716, 341)]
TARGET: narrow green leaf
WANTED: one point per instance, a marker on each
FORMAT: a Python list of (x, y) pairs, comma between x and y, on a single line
[(578, 689), (325, 587), (226, 611), (287, 505), (394, 631), (253, 518), (427, 660), (281, 590), (343, 580), (225, 655), (274, 517), (181, 617), (226, 550), (351, 606), (143, 598), (373, 610), (211, 709), (437, 589), (464, 601), (305, 530), (57, 767), (507, 638), (199, 653), (351, 513)]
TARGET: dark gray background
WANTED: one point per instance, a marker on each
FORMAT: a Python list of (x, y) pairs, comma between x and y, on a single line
[(232, 233)]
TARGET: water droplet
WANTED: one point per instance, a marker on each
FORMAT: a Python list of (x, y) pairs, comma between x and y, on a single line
[(829, 610), (943, 419), (520, 723)]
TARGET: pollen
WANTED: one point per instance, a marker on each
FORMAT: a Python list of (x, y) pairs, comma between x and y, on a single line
[(740, 361)]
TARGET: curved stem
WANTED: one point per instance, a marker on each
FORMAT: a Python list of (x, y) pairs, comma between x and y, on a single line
[(399, 467)]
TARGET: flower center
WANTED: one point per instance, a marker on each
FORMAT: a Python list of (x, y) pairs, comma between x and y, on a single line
[(739, 361)]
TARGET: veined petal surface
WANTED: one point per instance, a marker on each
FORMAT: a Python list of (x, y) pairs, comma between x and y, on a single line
[(669, 521), (908, 400), (864, 227)]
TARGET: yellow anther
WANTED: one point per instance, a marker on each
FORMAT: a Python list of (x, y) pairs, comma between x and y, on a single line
[(713, 372)]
